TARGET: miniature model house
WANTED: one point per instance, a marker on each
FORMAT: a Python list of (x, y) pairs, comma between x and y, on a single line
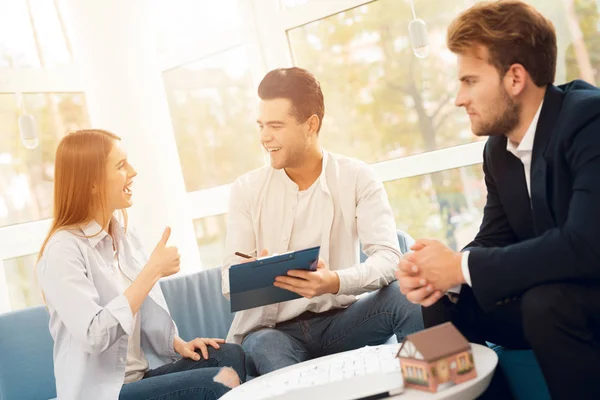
[(436, 358)]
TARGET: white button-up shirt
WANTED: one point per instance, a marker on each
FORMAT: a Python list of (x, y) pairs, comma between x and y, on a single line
[(90, 318), (354, 207)]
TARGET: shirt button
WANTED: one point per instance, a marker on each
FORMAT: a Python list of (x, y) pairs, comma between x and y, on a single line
[(121, 359)]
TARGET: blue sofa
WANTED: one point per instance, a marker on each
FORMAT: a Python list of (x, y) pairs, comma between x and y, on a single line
[(199, 309)]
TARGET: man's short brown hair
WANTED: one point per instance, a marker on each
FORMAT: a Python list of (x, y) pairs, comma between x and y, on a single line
[(513, 32), (298, 86)]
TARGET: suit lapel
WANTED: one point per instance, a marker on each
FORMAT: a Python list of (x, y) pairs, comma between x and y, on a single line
[(514, 180), (542, 215)]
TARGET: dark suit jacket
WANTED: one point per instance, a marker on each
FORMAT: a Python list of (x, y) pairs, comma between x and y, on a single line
[(556, 236)]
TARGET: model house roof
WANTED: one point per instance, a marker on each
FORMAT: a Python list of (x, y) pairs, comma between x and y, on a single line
[(437, 342)]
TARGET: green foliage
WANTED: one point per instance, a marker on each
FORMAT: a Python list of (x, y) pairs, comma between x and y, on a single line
[(588, 15), (26, 180)]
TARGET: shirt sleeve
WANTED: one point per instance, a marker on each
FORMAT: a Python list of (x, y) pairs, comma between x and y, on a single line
[(378, 236), (70, 293), (464, 266), (240, 233)]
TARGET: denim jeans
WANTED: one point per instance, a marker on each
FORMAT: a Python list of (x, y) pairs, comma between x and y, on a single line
[(372, 320), (187, 379)]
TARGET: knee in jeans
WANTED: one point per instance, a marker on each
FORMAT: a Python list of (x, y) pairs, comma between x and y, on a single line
[(228, 377), (258, 342), (267, 344), (389, 294), (232, 352), (392, 295)]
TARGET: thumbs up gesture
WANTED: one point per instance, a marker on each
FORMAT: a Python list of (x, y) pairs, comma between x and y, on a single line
[(164, 260)]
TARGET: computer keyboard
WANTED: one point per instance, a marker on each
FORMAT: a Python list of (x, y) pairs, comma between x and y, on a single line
[(372, 366), (365, 361)]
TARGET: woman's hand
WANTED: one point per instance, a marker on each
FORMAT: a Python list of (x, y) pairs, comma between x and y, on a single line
[(188, 349), (164, 260)]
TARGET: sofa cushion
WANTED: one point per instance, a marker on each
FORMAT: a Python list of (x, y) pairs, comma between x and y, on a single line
[(26, 366), (197, 304), (523, 373)]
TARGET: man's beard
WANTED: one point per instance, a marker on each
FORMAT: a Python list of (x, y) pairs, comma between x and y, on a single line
[(504, 123)]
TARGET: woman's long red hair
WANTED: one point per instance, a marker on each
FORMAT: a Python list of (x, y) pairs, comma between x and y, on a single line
[(80, 164)]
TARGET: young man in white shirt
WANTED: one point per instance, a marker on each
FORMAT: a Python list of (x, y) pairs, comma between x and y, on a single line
[(308, 197)]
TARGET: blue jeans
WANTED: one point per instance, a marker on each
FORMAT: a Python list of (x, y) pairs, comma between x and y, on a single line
[(187, 379), (371, 321)]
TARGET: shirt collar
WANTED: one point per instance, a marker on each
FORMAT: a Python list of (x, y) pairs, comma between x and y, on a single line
[(527, 141), (320, 180), (95, 234)]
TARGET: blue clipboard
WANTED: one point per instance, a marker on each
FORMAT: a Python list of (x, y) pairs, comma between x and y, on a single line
[(251, 284)]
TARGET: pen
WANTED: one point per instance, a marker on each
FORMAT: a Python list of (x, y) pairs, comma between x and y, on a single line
[(383, 395), (237, 253)]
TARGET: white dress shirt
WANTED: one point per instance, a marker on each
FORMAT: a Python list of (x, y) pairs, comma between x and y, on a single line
[(523, 152), (305, 233), (349, 204)]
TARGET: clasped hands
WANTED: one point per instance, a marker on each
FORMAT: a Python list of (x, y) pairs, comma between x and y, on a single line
[(426, 273)]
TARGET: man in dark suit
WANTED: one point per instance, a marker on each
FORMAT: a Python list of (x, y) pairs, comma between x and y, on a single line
[(531, 277)]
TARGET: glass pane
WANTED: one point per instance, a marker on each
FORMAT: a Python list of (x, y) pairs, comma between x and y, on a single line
[(213, 109), (210, 235), (446, 205), (26, 175), (31, 34), (382, 102), (23, 289), (578, 35), (183, 23)]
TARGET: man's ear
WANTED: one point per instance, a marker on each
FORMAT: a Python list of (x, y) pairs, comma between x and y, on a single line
[(94, 188), (313, 124), (515, 79)]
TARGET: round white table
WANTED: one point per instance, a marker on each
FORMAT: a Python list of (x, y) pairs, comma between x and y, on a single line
[(485, 363)]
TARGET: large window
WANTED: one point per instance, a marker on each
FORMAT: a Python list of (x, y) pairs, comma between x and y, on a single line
[(26, 174), (213, 108), (211, 233), (32, 34), (381, 101), (23, 289), (445, 205), (38, 77)]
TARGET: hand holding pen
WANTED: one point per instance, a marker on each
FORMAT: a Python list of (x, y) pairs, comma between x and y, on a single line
[(248, 258)]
